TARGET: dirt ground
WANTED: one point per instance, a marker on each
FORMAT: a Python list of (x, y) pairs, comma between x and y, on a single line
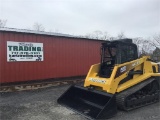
[(41, 105)]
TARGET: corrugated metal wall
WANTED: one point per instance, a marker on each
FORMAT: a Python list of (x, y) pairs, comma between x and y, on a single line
[(63, 57)]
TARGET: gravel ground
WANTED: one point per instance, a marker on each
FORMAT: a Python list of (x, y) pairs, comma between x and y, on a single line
[(41, 105)]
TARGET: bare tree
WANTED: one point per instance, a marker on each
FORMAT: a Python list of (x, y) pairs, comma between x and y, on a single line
[(2, 23), (156, 38), (88, 36), (97, 34), (94, 35), (105, 36), (156, 52), (145, 46), (121, 35), (38, 27)]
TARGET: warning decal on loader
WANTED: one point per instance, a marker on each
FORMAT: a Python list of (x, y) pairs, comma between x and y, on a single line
[(97, 80)]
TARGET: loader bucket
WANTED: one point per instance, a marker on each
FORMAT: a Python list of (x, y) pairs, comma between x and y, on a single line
[(91, 103)]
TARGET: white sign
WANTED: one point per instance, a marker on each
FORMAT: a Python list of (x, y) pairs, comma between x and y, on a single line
[(123, 69), (97, 80), (24, 51)]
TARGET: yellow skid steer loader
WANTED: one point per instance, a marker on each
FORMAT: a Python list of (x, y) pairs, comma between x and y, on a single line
[(120, 80)]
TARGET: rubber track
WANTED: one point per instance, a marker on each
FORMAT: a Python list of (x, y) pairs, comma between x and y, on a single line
[(121, 97)]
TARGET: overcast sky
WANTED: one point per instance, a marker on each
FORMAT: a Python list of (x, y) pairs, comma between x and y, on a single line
[(136, 18)]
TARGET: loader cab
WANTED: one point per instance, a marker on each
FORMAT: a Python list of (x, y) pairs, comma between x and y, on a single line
[(116, 52)]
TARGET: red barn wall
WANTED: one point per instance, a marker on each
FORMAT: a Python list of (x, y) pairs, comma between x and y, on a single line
[(63, 57)]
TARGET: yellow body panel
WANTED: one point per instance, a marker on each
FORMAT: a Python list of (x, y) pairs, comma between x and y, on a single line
[(133, 82), (119, 73)]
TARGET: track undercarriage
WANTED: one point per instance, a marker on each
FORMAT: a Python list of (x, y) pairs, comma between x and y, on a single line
[(140, 95)]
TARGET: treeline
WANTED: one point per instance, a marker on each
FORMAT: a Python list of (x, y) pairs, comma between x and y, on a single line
[(146, 46)]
